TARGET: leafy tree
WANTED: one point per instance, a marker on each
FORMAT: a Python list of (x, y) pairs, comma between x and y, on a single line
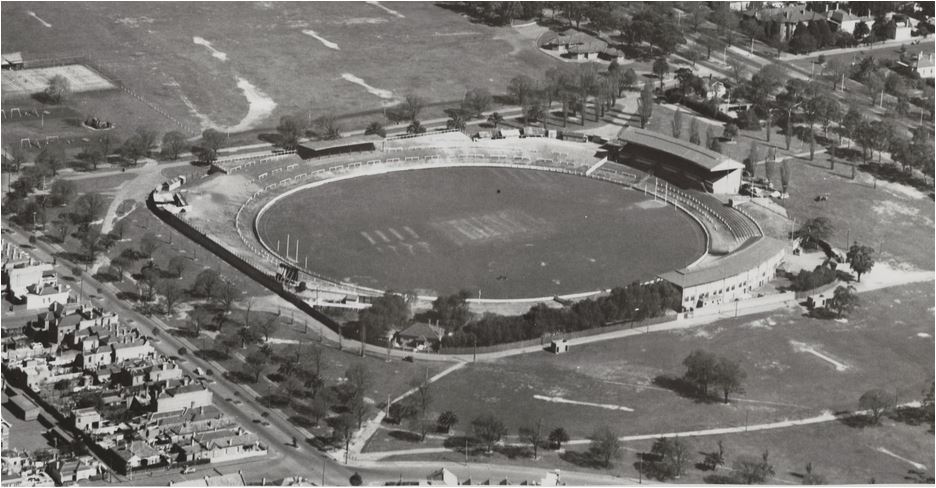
[(752, 159), (660, 69), (415, 128), (51, 158), (359, 381), (148, 283), (605, 446), (673, 454), (750, 470), (291, 129), (149, 243), (62, 192), (173, 143), (205, 283), (211, 143), (629, 78), (815, 230), (88, 208), (677, 123), (355, 479), (452, 310), (877, 402), (645, 105), (225, 294), (694, 132), (375, 128), (715, 459), (521, 88), (58, 90), (411, 107), (386, 312), (91, 156), (177, 265), (489, 430), (557, 437), (532, 435), (17, 157), (446, 421), (728, 377), (785, 175), (860, 258), (257, 362), (844, 300), (494, 119), (327, 128), (730, 131), (701, 370)]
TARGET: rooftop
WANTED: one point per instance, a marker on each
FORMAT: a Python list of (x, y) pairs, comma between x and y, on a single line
[(745, 259), (699, 155)]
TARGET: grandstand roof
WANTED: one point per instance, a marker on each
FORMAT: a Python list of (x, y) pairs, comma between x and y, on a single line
[(745, 259), (706, 158), (344, 141)]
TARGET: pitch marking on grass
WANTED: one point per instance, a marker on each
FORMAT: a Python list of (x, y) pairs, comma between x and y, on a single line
[(201, 41), (379, 92), (424, 245), (382, 236), (385, 9), (921, 467), (803, 347), (408, 247), (396, 234), (585, 404), (325, 42), (411, 232), (33, 15), (368, 237)]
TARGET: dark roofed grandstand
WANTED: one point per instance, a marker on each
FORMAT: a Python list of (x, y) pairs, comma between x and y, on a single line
[(318, 149)]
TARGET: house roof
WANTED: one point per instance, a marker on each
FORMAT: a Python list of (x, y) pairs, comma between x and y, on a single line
[(696, 154), (232, 479), (16, 57), (745, 259), (421, 330)]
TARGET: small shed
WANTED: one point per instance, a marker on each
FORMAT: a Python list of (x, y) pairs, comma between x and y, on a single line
[(420, 336), (25, 408), (559, 346), (534, 132), (12, 60), (574, 136), (508, 133), (483, 134)]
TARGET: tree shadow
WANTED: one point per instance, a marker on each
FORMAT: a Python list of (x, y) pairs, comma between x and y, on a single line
[(514, 452), (212, 355), (128, 296), (459, 443), (585, 459), (682, 388), (404, 436), (857, 421), (720, 479), (914, 416)]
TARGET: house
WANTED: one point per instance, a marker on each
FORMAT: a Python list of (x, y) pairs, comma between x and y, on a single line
[(534, 132), (846, 21), (25, 408), (559, 346), (442, 477), (71, 471), (574, 136), (587, 51), (193, 395), (136, 454), (924, 65), (614, 55), (508, 133), (86, 419), (420, 336), (5, 440), (126, 351), (12, 61), (787, 17)]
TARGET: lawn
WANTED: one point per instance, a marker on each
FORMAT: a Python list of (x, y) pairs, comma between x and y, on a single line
[(886, 344), (508, 232), (188, 59)]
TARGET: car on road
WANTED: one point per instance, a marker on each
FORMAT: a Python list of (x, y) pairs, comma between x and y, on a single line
[(188, 470)]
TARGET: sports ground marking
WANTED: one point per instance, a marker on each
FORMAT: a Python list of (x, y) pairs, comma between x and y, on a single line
[(388, 10), (411, 232), (33, 15), (325, 42), (382, 236), (915, 464), (585, 404), (803, 347), (369, 238), (396, 234)]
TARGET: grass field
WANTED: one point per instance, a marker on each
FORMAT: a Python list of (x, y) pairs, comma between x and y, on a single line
[(206, 63), (509, 232), (886, 344)]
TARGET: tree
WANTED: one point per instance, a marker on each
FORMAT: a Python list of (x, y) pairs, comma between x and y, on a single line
[(149, 281), (139, 144), (811, 478), (173, 143), (489, 430), (92, 242), (700, 369), (645, 105), (327, 128), (211, 142), (860, 258), (359, 381), (752, 159), (411, 107), (852, 123), (457, 119), (17, 157), (532, 435), (557, 437), (877, 402), (224, 294), (750, 470), (375, 128), (452, 310), (446, 421), (385, 313), (814, 230), (844, 300), (660, 69), (268, 327), (752, 28), (58, 90), (415, 128), (291, 129), (694, 137), (172, 291), (177, 265), (697, 13), (51, 159), (715, 459), (355, 479), (62, 192), (520, 88), (257, 362), (149, 243), (494, 119), (730, 131), (785, 174), (205, 283), (89, 207), (677, 123), (673, 454), (728, 377), (605, 446), (629, 79), (91, 156)]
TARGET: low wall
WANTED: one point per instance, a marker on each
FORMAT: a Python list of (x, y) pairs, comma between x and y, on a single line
[(732, 307)]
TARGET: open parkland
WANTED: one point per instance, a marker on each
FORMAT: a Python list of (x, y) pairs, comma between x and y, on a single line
[(306, 238)]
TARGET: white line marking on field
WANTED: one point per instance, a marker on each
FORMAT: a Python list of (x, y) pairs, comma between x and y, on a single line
[(802, 347), (368, 237), (393, 248), (424, 245), (325, 42), (409, 247), (385, 9), (33, 15), (586, 404), (381, 236), (385, 94), (916, 465), (411, 232), (396, 234), (214, 52)]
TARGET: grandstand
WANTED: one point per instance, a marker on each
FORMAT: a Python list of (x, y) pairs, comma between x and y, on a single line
[(682, 163)]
